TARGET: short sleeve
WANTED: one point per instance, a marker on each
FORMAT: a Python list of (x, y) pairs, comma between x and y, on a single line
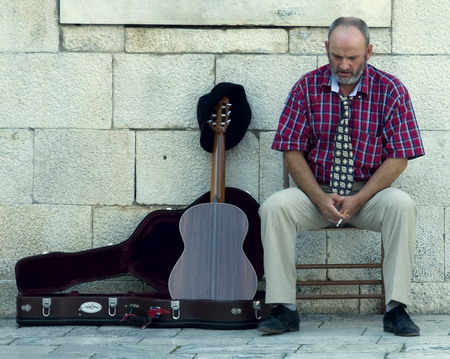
[(293, 127), (401, 129)]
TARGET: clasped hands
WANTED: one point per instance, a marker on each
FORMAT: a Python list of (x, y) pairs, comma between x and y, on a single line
[(335, 208)]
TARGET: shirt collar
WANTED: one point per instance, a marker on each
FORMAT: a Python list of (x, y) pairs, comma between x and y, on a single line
[(362, 85), (335, 86)]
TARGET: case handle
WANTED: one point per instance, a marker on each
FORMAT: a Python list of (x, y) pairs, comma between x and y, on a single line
[(112, 304), (175, 304), (257, 308), (46, 304)]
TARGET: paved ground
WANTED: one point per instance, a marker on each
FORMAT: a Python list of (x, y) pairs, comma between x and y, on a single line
[(320, 337)]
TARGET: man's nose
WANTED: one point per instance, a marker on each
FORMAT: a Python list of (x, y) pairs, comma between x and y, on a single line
[(345, 65)]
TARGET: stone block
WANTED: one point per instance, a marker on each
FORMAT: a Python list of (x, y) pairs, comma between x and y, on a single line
[(16, 170), (311, 41), (381, 39), (271, 167), (29, 26), (308, 40), (84, 167), (243, 165), (426, 78), (371, 306), (172, 168), (329, 306), (34, 229), (115, 224), (447, 244), (430, 298), (311, 248), (353, 246), (8, 293), (430, 247), (230, 12), (426, 178), (93, 38), (160, 92), (420, 27), (267, 81), (47, 90), (176, 40)]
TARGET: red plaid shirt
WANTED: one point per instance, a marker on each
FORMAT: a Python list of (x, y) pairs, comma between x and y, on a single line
[(382, 122)]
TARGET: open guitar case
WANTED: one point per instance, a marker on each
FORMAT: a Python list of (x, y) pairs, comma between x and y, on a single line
[(150, 254)]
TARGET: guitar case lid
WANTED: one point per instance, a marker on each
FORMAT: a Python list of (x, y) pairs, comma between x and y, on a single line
[(149, 254)]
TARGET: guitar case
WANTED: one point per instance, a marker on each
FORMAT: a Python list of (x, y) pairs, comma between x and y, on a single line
[(149, 254)]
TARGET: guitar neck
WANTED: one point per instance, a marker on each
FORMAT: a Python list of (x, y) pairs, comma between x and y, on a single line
[(219, 123), (218, 170)]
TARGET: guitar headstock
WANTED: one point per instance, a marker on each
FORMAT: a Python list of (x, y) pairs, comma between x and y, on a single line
[(220, 120)]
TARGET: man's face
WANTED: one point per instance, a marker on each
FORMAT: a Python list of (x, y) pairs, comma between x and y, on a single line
[(348, 53)]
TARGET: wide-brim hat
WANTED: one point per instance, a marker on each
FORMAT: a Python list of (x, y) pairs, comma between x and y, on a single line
[(240, 114)]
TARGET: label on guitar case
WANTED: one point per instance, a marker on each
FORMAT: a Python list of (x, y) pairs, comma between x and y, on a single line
[(91, 307)]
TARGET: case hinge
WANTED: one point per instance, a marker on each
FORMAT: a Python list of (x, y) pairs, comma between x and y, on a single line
[(257, 308), (112, 307), (175, 304), (46, 304)]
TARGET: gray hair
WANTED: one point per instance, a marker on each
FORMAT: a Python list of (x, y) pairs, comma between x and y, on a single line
[(351, 22)]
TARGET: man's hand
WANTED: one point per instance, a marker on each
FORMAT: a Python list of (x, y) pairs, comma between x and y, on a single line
[(350, 205), (330, 205)]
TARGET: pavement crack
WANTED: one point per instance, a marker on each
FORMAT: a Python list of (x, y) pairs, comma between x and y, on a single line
[(175, 349), (57, 347)]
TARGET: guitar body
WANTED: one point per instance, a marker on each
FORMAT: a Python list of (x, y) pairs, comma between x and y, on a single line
[(213, 264)]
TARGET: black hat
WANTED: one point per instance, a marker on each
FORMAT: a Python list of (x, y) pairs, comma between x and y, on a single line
[(240, 114)]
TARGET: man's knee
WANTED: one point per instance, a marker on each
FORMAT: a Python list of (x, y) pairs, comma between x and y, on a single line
[(278, 201), (397, 200)]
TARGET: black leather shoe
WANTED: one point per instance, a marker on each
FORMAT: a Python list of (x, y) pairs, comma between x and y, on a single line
[(279, 321), (397, 321)]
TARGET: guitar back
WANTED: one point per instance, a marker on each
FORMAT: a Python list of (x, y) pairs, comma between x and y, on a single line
[(213, 265)]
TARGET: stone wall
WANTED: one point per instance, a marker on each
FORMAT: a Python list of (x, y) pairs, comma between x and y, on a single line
[(98, 128)]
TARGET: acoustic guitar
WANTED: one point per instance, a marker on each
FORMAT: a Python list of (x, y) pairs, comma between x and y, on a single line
[(213, 265)]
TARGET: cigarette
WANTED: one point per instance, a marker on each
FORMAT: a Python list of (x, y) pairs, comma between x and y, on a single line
[(340, 221)]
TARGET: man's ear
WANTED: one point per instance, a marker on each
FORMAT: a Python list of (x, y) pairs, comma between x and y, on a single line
[(369, 51), (327, 45)]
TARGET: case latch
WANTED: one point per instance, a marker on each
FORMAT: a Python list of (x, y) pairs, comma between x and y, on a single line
[(46, 304), (257, 308), (175, 304), (112, 307)]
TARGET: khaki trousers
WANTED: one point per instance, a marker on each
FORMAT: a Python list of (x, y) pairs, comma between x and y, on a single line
[(289, 212)]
